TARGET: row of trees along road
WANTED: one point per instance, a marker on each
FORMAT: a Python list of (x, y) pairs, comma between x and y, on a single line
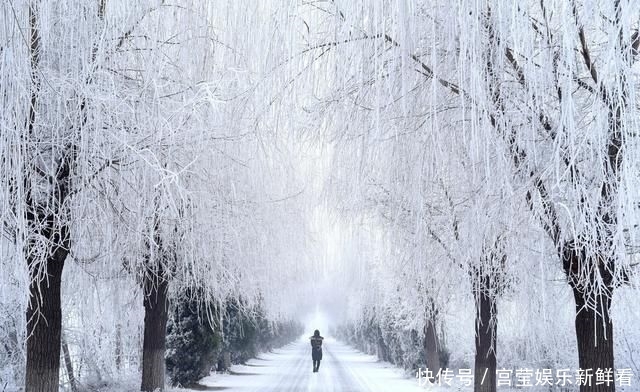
[(132, 167)]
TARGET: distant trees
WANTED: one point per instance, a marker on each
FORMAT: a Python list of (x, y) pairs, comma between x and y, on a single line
[(203, 336)]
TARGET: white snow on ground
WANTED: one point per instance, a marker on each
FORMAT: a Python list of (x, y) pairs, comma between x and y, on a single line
[(343, 369), (290, 369)]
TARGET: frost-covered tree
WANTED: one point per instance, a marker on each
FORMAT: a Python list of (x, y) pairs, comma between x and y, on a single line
[(46, 126), (579, 119), (113, 121)]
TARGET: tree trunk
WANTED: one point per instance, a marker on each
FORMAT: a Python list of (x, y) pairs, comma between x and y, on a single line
[(118, 350), (432, 348), (155, 333), (381, 348), (594, 327), (44, 326), (68, 364), (227, 360), (486, 332), (594, 332)]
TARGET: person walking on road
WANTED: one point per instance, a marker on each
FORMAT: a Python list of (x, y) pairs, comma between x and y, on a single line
[(316, 350)]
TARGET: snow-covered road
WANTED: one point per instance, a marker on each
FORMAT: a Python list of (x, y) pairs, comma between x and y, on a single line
[(289, 369)]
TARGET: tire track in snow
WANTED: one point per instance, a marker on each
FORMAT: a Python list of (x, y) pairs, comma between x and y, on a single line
[(293, 377), (344, 380)]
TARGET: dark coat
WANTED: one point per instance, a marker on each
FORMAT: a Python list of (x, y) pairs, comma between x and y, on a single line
[(316, 348)]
